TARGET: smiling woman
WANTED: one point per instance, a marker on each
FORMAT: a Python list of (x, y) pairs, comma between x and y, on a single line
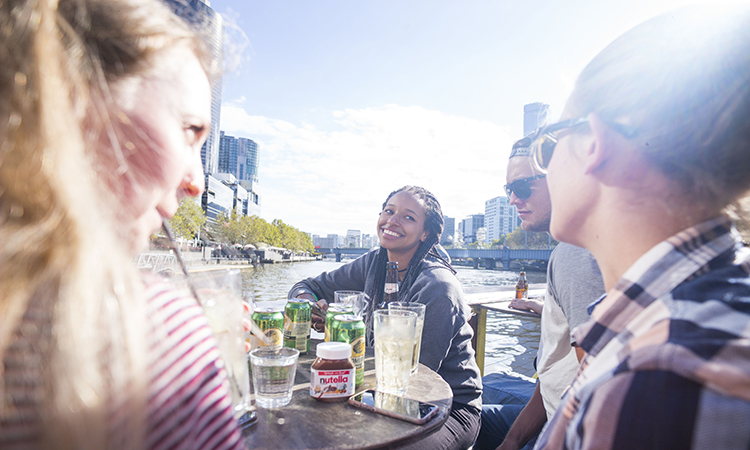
[(401, 227), (409, 227)]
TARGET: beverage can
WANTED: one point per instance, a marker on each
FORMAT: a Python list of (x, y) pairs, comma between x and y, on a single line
[(297, 319), (271, 321), (351, 329), (333, 310)]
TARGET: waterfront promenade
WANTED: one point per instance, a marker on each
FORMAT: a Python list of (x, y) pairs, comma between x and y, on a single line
[(160, 260)]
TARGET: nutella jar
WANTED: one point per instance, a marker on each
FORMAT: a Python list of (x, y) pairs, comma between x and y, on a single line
[(332, 372)]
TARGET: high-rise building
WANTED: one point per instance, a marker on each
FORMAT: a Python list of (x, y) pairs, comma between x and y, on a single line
[(331, 241), (238, 156), (470, 226), (224, 193), (534, 116), (253, 197), (353, 238), (217, 198), (369, 240), (227, 154), (251, 161), (208, 23), (449, 229), (334, 240), (500, 217)]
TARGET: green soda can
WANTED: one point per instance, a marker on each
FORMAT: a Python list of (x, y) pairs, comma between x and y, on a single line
[(271, 321), (297, 319), (351, 329), (333, 310)]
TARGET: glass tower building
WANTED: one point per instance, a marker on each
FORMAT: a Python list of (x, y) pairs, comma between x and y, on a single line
[(210, 25)]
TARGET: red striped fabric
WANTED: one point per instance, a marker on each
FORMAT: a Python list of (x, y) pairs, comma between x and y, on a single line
[(189, 402), (189, 405)]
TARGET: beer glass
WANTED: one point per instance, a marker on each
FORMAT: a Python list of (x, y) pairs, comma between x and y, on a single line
[(219, 293), (395, 331), (419, 309)]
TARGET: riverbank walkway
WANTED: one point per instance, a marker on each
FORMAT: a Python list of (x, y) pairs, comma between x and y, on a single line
[(199, 261), (497, 299)]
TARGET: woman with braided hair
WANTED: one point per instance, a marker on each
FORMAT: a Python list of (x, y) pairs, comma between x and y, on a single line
[(409, 228)]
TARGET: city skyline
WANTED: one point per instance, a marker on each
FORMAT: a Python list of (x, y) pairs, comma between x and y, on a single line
[(351, 100)]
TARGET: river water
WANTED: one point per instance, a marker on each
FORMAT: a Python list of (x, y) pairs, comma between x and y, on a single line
[(511, 342)]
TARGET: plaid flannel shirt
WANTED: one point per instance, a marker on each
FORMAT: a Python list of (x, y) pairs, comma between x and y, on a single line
[(668, 362)]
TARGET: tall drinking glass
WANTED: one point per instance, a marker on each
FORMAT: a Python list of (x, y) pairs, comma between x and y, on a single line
[(354, 298), (219, 293), (419, 309), (395, 331)]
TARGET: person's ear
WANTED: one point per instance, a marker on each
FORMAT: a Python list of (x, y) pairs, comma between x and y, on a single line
[(599, 147)]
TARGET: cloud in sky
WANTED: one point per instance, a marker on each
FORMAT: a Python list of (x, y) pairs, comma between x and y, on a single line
[(326, 179)]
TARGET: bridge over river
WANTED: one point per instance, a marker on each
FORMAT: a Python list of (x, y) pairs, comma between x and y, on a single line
[(491, 257)]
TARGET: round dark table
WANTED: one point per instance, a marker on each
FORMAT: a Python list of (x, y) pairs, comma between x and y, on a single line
[(306, 423)]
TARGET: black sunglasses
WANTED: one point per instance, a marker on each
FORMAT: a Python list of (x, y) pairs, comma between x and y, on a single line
[(521, 187), (542, 145)]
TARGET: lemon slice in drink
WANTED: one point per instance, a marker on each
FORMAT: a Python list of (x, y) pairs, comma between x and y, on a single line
[(275, 336)]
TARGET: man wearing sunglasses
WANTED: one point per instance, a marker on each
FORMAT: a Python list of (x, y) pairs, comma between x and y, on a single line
[(573, 282)]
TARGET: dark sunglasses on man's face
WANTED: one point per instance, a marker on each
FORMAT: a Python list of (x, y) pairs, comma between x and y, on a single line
[(522, 187)]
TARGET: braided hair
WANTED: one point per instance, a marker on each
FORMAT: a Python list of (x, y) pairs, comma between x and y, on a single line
[(434, 227)]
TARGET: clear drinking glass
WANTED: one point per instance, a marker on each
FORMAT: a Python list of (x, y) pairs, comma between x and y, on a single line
[(219, 293), (395, 331), (419, 309), (273, 375), (354, 298)]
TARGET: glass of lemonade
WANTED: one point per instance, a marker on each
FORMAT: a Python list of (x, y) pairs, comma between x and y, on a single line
[(419, 309), (395, 332), (219, 293)]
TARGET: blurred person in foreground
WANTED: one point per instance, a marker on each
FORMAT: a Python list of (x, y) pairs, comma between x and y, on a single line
[(104, 105), (650, 162), (515, 410)]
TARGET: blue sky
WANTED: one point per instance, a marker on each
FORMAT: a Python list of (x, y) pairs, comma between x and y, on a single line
[(349, 100)]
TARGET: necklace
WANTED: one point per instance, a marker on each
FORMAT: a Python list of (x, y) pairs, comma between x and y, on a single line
[(402, 270)]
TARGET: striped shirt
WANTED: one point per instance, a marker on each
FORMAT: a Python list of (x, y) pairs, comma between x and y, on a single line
[(189, 406), (189, 402), (668, 362)]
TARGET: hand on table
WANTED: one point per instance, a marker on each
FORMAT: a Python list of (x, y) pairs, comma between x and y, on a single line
[(319, 308), (528, 304), (318, 319)]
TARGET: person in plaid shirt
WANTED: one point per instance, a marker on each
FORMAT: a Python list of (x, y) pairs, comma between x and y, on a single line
[(647, 169)]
